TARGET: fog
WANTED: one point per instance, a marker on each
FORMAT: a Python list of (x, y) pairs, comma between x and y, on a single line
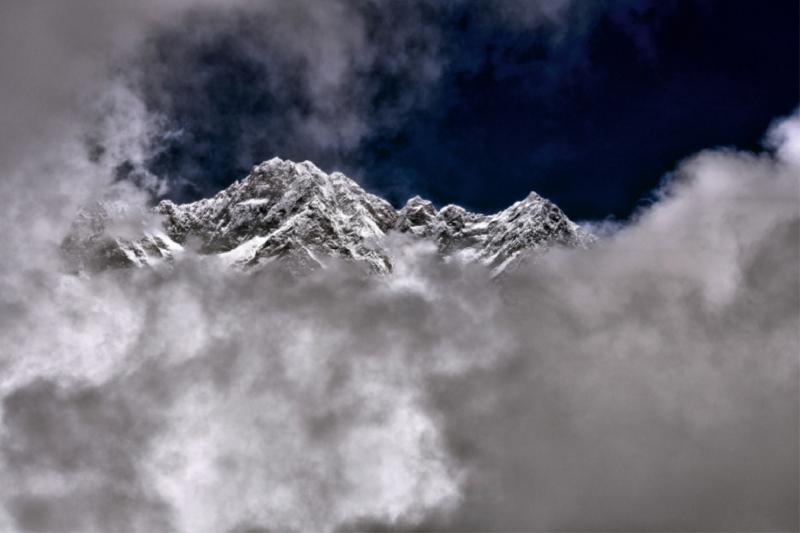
[(648, 383), (198, 91)]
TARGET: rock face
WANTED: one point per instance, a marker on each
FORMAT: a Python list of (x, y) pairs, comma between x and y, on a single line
[(293, 212), (297, 214), (91, 248), (498, 241)]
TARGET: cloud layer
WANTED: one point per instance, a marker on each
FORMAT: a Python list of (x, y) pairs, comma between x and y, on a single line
[(650, 383), (224, 86)]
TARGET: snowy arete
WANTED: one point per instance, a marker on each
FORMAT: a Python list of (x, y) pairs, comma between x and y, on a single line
[(297, 214)]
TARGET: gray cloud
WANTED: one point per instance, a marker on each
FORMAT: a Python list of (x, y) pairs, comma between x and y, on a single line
[(647, 384), (54, 57), (223, 89), (312, 79), (650, 383), (260, 401), (656, 387), (306, 80)]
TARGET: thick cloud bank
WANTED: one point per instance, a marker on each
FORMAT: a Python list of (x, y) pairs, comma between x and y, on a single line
[(649, 383), (204, 89)]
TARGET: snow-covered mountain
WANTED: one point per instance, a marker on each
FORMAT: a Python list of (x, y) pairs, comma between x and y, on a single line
[(295, 213)]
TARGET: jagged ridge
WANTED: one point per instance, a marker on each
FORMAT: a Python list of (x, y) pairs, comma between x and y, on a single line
[(295, 213)]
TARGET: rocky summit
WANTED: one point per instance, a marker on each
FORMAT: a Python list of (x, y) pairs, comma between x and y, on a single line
[(299, 215)]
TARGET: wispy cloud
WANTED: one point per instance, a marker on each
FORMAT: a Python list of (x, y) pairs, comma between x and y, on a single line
[(648, 383)]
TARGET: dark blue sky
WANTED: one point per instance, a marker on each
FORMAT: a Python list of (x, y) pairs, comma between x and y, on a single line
[(589, 113)]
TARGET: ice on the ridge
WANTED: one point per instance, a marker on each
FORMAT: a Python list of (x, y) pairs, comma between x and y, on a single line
[(467, 255), (254, 201), (171, 245), (331, 215), (502, 266), (244, 252), (313, 256), (129, 252)]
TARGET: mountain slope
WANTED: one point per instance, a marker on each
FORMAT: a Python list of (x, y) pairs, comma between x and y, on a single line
[(295, 213), (498, 241), (290, 211)]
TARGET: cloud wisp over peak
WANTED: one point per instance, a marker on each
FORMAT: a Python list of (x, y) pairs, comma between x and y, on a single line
[(649, 382)]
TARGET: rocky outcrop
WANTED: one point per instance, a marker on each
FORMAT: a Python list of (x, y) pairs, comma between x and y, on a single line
[(297, 214)]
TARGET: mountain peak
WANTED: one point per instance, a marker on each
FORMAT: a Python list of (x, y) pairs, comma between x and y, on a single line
[(301, 216)]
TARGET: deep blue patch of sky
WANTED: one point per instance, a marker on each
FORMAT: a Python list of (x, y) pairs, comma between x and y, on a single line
[(591, 121)]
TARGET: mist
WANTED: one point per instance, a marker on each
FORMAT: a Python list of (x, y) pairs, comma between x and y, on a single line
[(649, 383), (198, 91)]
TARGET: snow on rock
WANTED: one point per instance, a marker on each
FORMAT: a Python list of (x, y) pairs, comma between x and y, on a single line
[(292, 211), (526, 228), (295, 213), (98, 241)]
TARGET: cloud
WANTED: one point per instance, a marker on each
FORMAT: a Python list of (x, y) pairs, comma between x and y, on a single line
[(200, 90), (650, 383), (303, 80), (258, 401), (224, 87), (656, 383), (55, 56)]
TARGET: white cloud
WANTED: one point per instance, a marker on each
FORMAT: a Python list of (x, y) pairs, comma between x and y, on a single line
[(650, 382)]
